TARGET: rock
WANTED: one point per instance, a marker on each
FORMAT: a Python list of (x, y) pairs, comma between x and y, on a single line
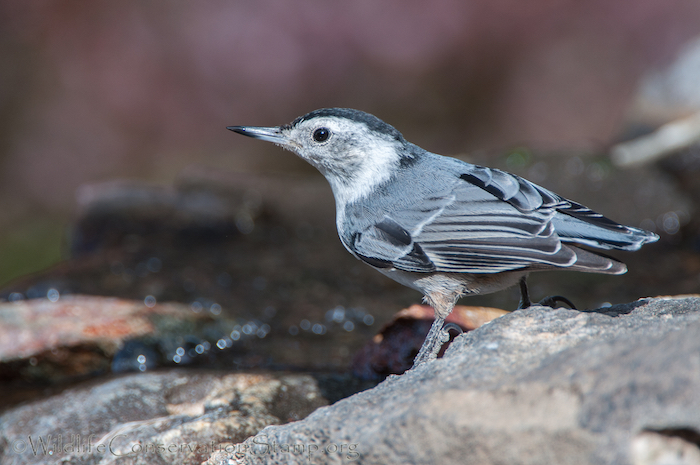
[(619, 385), (74, 336), (175, 417), (671, 447), (393, 349)]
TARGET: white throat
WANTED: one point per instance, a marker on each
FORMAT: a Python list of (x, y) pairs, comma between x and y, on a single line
[(379, 163)]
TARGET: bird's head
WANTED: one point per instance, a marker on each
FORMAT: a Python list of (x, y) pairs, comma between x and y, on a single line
[(353, 149)]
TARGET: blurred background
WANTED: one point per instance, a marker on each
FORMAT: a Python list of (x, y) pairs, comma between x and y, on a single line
[(140, 89), (111, 108)]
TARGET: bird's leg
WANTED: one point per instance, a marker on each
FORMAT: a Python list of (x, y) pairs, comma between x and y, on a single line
[(433, 342), (524, 294), (549, 301), (442, 303)]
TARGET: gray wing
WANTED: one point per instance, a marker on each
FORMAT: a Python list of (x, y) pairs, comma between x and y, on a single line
[(490, 221)]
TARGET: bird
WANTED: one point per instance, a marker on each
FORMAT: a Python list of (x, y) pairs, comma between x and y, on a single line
[(440, 225)]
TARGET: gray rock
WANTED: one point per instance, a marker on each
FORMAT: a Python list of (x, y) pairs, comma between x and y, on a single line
[(175, 417), (538, 386)]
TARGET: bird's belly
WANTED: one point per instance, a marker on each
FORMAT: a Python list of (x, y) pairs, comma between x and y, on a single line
[(454, 283)]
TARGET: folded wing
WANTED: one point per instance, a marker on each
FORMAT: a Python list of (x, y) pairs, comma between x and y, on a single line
[(492, 221)]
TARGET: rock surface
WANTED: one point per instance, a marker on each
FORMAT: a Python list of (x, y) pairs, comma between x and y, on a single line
[(174, 417), (76, 336), (31, 327), (617, 386)]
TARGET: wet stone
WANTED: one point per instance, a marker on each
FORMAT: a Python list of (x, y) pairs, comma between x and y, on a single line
[(77, 336)]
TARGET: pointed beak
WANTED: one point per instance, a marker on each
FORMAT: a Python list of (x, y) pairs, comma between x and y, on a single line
[(273, 134)]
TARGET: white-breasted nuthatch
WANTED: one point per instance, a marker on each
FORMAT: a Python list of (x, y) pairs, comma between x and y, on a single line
[(439, 225)]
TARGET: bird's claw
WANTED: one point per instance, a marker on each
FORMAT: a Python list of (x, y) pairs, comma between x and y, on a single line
[(552, 300), (546, 302), (449, 326)]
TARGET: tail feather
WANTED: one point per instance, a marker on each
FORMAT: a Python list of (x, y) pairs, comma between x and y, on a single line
[(595, 262), (597, 231)]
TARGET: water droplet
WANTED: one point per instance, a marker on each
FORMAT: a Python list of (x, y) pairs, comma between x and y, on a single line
[(134, 355), (671, 223), (215, 309), (305, 325), (337, 314), (263, 331), (196, 306), (368, 320), (318, 328), (53, 295), (348, 326), (245, 223), (293, 330), (149, 301)]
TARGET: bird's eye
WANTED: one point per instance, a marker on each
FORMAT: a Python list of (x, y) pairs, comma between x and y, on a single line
[(321, 134)]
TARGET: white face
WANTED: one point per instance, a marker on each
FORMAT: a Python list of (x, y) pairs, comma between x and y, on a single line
[(338, 146), (351, 156)]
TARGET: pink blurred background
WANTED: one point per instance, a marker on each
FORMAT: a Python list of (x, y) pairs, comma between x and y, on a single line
[(99, 90)]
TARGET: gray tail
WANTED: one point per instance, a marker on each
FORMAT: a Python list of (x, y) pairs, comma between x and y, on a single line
[(579, 225)]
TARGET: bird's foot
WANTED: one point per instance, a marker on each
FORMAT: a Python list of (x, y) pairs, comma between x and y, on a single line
[(550, 301), (438, 335)]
